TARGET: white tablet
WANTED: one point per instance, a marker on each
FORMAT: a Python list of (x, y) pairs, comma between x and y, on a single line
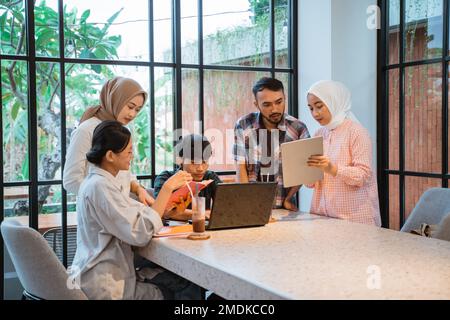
[(294, 157)]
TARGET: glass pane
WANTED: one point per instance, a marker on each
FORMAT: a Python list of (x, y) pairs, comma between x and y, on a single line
[(423, 29), (232, 36), (50, 208), (104, 29), (423, 118), (48, 87), (140, 131), (394, 31), (71, 204), (164, 119), (50, 222), (394, 122), (448, 149), (284, 77), (190, 101), (83, 85), (162, 30), (12, 27), (228, 96), (15, 120), (16, 203), (394, 203), (46, 23), (189, 31), (147, 183), (281, 33), (414, 188)]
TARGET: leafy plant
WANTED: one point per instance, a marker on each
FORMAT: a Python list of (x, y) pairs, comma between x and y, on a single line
[(84, 40)]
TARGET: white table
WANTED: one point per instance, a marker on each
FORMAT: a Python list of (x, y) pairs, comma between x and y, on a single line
[(310, 257)]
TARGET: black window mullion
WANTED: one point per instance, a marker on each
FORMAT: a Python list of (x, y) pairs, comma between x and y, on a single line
[(201, 72), (152, 91), (178, 120), (383, 115), (445, 83), (414, 63), (63, 150), (414, 174), (32, 117), (16, 184), (272, 38), (293, 58), (13, 57), (402, 113)]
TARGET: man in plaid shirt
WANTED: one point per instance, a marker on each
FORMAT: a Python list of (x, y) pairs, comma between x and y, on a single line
[(259, 135)]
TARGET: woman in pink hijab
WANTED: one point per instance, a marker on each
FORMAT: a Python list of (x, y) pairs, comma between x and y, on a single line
[(349, 188)]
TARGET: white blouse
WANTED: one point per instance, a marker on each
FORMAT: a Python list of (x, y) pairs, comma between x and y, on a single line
[(109, 224), (77, 166)]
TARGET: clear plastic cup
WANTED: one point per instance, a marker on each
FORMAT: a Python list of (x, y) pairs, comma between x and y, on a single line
[(198, 214)]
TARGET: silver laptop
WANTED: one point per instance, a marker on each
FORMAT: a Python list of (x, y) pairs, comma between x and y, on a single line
[(238, 205)]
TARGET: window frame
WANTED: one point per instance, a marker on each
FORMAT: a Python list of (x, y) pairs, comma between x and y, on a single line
[(177, 66), (383, 170)]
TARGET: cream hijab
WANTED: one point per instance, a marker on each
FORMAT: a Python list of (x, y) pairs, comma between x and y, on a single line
[(115, 94), (337, 98)]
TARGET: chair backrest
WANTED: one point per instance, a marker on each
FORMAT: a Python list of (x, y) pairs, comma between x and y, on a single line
[(54, 238), (39, 270), (433, 205)]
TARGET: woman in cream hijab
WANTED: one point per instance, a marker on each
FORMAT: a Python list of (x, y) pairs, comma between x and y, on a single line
[(121, 99), (349, 188)]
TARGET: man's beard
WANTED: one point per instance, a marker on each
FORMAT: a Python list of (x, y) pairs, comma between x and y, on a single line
[(273, 121)]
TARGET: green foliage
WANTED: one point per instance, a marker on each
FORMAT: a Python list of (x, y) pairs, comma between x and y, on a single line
[(83, 81), (261, 10)]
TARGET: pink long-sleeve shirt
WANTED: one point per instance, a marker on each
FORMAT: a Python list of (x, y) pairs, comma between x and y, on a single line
[(352, 195)]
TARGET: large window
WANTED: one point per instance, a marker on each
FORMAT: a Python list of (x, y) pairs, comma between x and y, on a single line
[(198, 59), (414, 104)]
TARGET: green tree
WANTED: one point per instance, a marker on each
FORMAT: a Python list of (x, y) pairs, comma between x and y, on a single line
[(82, 40)]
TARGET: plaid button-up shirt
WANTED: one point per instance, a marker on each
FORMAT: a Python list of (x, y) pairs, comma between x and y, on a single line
[(260, 149)]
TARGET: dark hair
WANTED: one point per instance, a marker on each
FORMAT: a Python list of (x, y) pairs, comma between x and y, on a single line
[(108, 135), (267, 83), (193, 147)]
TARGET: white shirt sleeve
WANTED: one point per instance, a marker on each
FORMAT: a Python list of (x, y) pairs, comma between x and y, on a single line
[(75, 169), (126, 219)]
